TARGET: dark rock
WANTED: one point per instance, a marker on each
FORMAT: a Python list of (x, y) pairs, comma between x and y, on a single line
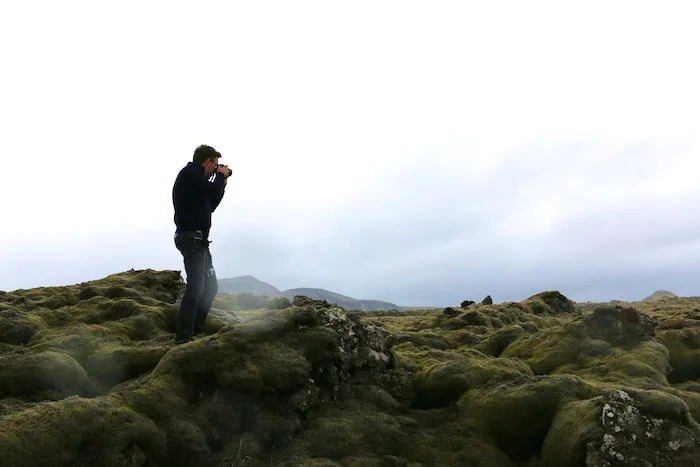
[(449, 311), (633, 437), (363, 353), (487, 301), (620, 326), (467, 303)]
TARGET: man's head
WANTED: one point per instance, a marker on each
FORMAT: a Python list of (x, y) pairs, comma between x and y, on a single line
[(207, 157)]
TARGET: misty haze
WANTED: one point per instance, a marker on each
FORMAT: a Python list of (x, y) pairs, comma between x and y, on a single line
[(421, 167)]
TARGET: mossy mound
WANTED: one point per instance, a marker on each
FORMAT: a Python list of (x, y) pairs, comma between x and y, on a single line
[(442, 376), (550, 302), (518, 414), (17, 327), (683, 344), (606, 346), (488, 328)]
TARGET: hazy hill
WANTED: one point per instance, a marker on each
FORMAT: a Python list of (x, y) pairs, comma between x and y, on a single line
[(89, 376), (247, 284), (660, 295), (342, 300), (251, 285)]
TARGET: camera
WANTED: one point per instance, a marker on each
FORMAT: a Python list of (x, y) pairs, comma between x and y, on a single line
[(229, 170)]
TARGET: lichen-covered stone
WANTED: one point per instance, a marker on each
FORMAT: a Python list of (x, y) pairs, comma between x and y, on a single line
[(634, 437), (624, 427)]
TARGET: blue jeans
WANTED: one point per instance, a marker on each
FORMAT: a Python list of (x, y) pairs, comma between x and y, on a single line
[(202, 285)]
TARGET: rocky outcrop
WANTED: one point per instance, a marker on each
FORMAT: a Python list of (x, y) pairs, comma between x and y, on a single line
[(487, 300), (362, 356), (633, 437), (619, 325), (556, 301)]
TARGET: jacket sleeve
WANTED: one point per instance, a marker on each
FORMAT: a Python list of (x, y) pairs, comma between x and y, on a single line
[(215, 189), (218, 193)]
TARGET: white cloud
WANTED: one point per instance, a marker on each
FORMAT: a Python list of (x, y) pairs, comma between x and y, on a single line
[(332, 117)]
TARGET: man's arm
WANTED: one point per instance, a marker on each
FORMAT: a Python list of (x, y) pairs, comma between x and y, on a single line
[(215, 189), (219, 194)]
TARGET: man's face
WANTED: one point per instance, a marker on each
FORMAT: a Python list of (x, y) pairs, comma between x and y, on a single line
[(210, 166)]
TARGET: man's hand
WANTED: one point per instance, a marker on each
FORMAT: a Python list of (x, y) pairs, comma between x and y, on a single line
[(224, 170)]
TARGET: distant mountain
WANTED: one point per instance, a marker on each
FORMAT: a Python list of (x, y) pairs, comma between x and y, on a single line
[(660, 294), (342, 300), (247, 284), (252, 285)]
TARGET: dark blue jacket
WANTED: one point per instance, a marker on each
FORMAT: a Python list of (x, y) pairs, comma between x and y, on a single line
[(195, 198)]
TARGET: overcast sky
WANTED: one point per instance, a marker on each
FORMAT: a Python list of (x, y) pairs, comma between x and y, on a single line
[(418, 152)]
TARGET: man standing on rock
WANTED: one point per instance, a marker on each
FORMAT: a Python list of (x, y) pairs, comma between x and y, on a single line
[(195, 198)]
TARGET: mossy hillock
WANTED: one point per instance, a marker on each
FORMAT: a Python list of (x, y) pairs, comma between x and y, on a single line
[(89, 375)]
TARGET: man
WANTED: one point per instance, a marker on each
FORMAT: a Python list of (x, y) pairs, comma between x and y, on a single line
[(195, 198)]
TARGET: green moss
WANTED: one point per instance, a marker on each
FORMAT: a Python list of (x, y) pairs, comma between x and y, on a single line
[(248, 301), (186, 443), (216, 320), (684, 350), (354, 435), (269, 366), (17, 327), (113, 363), (158, 396), (52, 375), (690, 394), (79, 340), (550, 302), (499, 340), (441, 377), (518, 415), (58, 298), (74, 430), (573, 427), (569, 349), (447, 438), (643, 366), (274, 387), (552, 348), (663, 404)]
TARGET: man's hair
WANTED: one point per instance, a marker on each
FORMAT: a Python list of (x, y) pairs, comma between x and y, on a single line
[(204, 152)]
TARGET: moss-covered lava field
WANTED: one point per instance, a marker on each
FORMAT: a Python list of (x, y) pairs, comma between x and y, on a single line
[(89, 376)]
